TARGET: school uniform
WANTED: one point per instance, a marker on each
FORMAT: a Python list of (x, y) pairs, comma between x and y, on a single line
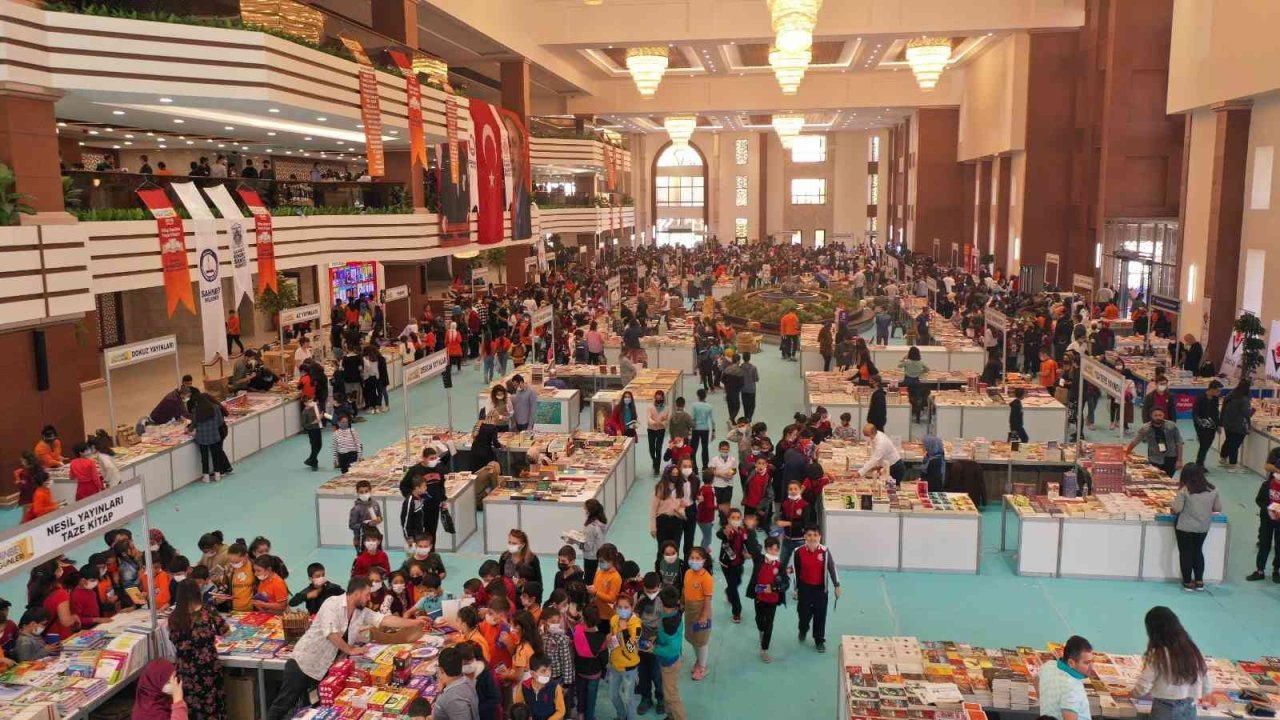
[(812, 568), (768, 588), (735, 546)]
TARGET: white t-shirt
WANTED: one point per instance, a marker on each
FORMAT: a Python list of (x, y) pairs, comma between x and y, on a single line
[(314, 653), (949, 281), (883, 454), (717, 464)]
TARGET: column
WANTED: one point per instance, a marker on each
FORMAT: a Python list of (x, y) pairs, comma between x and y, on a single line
[(402, 168), (982, 207), (1226, 216), (939, 206), (516, 87), (1000, 182), (516, 275), (29, 146), (396, 19)]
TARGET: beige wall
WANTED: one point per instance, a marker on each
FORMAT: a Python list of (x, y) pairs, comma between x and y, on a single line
[(1222, 50), (1017, 181), (1195, 218), (993, 108), (1261, 224)]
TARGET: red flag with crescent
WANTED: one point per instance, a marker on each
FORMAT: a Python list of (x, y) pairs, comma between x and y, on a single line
[(491, 176)]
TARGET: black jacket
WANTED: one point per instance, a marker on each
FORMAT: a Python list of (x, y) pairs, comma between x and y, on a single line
[(327, 591), (1206, 413), (780, 583), (878, 412)]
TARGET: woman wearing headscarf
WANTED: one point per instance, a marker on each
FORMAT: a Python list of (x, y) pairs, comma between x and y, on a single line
[(935, 463), (159, 694)]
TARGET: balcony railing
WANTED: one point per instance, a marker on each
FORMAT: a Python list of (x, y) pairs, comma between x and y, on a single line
[(543, 130), (94, 195)]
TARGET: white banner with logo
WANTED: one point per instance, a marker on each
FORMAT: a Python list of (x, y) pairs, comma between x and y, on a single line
[(1081, 281), (426, 368), (1273, 352), (995, 319), (542, 254), (50, 535), (241, 271), (530, 267), (614, 284), (118, 357), (302, 313), (541, 316), (213, 315), (1232, 357), (1107, 379)]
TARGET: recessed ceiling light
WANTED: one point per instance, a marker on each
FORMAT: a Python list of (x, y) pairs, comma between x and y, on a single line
[(271, 134), (178, 121), (268, 150), (182, 137), (191, 142), (81, 144), (93, 132), (128, 143), (273, 110), (227, 127), (288, 152), (117, 112), (244, 147), (306, 154), (129, 136), (394, 132), (338, 142), (359, 125), (221, 145), (62, 124), (151, 134), (166, 100), (162, 147), (306, 138), (116, 147), (322, 119)]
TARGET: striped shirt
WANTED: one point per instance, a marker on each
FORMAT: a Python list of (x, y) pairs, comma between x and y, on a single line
[(1061, 688), (345, 440)]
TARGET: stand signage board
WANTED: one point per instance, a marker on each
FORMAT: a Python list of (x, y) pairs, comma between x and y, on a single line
[(995, 319), (426, 368), (48, 536), (139, 351), (1106, 379), (303, 313), (392, 294), (1082, 281), (1165, 303), (541, 316)]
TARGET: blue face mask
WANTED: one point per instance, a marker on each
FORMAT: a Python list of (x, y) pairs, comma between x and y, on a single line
[(604, 565), (624, 613), (695, 564)]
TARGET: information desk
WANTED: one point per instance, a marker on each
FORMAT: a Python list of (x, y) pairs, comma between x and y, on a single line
[(603, 470), (1108, 545), (168, 459), (903, 530), (558, 410)]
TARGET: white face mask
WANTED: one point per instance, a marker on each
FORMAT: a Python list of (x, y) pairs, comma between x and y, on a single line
[(811, 545), (544, 679), (555, 628), (432, 463), (167, 689), (686, 471), (376, 584), (363, 497), (371, 546), (155, 548), (652, 595), (237, 564), (772, 557), (398, 587), (319, 581), (670, 559), (474, 667), (514, 548), (794, 496), (422, 552), (735, 523), (179, 577)]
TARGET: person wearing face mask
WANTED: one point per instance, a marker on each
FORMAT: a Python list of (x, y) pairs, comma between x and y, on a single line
[(1237, 409), (737, 543), (194, 628), (658, 418), (428, 597), (698, 592), (477, 672), (433, 497), (667, 649), (525, 405), (271, 594), (519, 555), (372, 556), (398, 599), (1164, 442), (624, 657), (649, 608), (768, 588), (499, 412), (608, 582), (724, 470), (1159, 398), (317, 591), (30, 644), (214, 553), (364, 514), (161, 551), (666, 509), (557, 645), (422, 554), (567, 568), (347, 448), (84, 598), (341, 622), (813, 565), (178, 569), (84, 471)]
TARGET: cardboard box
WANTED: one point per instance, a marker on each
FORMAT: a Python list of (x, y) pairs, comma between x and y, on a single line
[(242, 696)]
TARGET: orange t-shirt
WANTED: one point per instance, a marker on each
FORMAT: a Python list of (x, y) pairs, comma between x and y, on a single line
[(608, 585), (241, 587), (233, 325), (477, 637), (162, 588), (789, 324), (42, 503), (698, 586), (1048, 373), (499, 653), (272, 590)]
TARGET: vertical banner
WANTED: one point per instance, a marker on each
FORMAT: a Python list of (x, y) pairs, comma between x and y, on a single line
[(241, 272), (264, 234), (413, 91), (455, 197), (610, 156), (370, 112), (213, 314), (451, 131), (1273, 352), (487, 135), (173, 249), (542, 254), (1231, 358), (522, 175)]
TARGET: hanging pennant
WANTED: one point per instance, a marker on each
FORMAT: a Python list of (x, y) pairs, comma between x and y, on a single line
[(370, 111), (413, 91), (521, 179), (242, 272), (264, 235), (173, 249)]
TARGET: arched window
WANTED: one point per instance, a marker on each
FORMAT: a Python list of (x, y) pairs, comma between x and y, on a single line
[(680, 196)]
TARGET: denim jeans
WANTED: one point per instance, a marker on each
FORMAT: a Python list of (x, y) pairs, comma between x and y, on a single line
[(622, 691), (1184, 709), (488, 369), (705, 529)]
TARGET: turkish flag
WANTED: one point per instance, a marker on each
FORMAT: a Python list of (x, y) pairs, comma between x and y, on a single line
[(490, 178)]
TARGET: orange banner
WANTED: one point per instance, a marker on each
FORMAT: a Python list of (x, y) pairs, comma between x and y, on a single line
[(370, 111), (451, 130), (173, 249), (264, 235), (413, 90)]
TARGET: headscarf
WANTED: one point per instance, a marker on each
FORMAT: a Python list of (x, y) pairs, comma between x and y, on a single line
[(150, 701), (934, 451)]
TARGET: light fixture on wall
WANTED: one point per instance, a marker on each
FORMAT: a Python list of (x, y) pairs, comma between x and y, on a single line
[(788, 127), (680, 128), (789, 68), (928, 57), (793, 23), (592, 2), (647, 66)]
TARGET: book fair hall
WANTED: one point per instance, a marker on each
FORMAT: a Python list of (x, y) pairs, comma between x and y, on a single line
[(623, 359)]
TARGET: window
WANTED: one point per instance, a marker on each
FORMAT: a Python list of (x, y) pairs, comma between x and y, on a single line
[(797, 237), (740, 191), (809, 149), (873, 152), (679, 191), (679, 157), (740, 150), (808, 191), (872, 224), (819, 238), (740, 230), (873, 190)]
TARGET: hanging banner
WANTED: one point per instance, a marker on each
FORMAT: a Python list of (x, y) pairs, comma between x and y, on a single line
[(241, 271), (426, 368), (530, 267), (1232, 357), (489, 173), (1273, 352), (370, 112), (413, 93), (173, 249), (517, 136), (542, 254), (1082, 281), (1105, 378), (51, 535), (455, 198), (300, 314), (1165, 303), (392, 294), (995, 319), (451, 132), (504, 145), (264, 236), (609, 154), (213, 313), (614, 285)]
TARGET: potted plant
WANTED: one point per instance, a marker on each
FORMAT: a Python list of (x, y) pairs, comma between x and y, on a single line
[(13, 204), (1250, 327), (271, 302)]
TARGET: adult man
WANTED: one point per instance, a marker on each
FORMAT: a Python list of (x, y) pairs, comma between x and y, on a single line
[(1192, 353), (249, 170), (789, 328), (342, 620), (1164, 442), (457, 699), (267, 172), (525, 404), (175, 404), (145, 169), (884, 455), (1206, 417), (1061, 684), (813, 564), (750, 376), (1159, 397)]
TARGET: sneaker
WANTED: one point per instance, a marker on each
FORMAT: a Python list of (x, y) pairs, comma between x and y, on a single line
[(204, 479), (1257, 575), (822, 647), (660, 708), (644, 707), (737, 619), (764, 655), (1199, 585), (1275, 576), (217, 477), (699, 672), (229, 471), (803, 634), (1188, 587)]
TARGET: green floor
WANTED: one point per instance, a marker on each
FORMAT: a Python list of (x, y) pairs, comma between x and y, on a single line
[(271, 494)]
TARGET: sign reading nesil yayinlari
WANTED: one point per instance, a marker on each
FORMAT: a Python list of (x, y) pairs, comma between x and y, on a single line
[(426, 368), (995, 319), (50, 535)]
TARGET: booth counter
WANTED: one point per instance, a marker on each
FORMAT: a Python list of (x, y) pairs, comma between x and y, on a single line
[(870, 527), (558, 410)]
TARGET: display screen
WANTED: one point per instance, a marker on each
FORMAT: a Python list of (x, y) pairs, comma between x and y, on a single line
[(352, 280)]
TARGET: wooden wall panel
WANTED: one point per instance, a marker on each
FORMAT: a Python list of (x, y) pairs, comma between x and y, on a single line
[(939, 202)]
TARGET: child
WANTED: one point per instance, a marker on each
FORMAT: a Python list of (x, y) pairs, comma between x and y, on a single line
[(413, 509), (649, 609), (528, 645), (795, 515), (531, 599), (84, 598), (677, 450), (706, 509), (491, 571), (724, 469), (378, 586), (845, 430), (758, 486), (1016, 427), (84, 471), (666, 650), (399, 600), (768, 588), (698, 591), (737, 543), (30, 644), (488, 695), (496, 630), (271, 596), (624, 656), (342, 406), (419, 709), (670, 567), (373, 555), (588, 650), (608, 583), (319, 590), (813, 564), (569, 570), (593, 532), (241, 585), (632, 583), (424, 554), (472, 590), (429, 599), (42, 502), (540, 694), (558, 647), (347, 448), (365, 514)]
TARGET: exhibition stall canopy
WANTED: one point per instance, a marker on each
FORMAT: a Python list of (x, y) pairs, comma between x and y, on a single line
[(118, 357), (418, 371), (301, 314)]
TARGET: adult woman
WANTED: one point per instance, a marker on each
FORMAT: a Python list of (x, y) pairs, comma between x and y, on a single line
[(667, 508), (519, 555), (371, 387), (1174, 672), (193, 628), (913, 369), (1196, 502), (866, 369), (57, 603), (499, 413), (659, 415), (935, 463), (484, 446), (1236, 411), (160, 694), (453, 343), (210, 429), (623, 420), (826, 345), (595, 344)]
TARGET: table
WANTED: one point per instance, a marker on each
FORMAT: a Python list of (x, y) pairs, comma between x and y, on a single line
[(333, 508), (902, 542), (557, 411)]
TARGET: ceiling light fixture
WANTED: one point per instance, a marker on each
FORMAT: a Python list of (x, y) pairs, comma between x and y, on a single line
[(788, 127), (117, 112), (928, 58), (321, 119), (166, 100), (273, 110), (793, 23), (647, 65), (680, 128), (789, 68), (178, 121)]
